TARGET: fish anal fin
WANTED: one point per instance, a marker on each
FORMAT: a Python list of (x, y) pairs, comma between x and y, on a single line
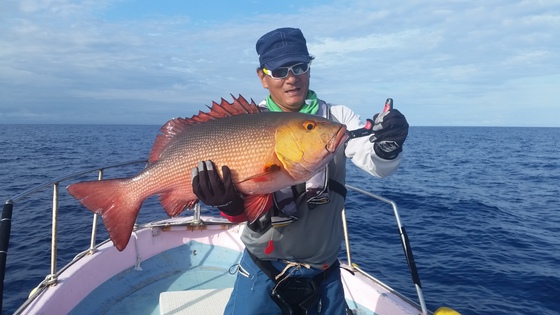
[(174, 202), (176, 126), (256, 205)]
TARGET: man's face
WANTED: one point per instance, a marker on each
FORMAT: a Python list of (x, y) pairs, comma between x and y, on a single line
[(288, 93)]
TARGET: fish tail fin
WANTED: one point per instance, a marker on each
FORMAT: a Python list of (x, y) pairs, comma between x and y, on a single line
[(114, 202), (256, 205)]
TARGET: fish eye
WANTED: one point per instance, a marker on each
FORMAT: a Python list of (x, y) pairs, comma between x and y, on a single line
[(309, 125)]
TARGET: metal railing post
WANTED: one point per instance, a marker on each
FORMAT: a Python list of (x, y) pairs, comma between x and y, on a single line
[(94, 223), (196, 214), (52, 278), (346, 237)]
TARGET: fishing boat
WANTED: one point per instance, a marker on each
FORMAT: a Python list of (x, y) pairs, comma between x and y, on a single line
[(182, 265)]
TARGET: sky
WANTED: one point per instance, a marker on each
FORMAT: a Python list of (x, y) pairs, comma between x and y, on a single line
[(444, 62)]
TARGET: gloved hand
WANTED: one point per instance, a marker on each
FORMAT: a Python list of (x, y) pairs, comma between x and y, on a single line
[(390, 129), (212, 191)]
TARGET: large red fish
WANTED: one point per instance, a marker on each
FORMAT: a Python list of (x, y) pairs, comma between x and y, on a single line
[(265, 151)]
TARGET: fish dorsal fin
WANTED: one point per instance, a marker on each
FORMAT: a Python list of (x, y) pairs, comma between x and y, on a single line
[(176, 126), (239, 106)]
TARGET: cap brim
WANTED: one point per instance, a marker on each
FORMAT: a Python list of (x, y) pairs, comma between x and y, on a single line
[(285, 60)]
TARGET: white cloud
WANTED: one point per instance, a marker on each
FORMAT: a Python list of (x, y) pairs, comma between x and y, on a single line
[(68, 55), (528, 58)]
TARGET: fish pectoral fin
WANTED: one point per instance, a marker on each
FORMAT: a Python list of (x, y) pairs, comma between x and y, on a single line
[(174, 202), (268, 171), (256, 205)]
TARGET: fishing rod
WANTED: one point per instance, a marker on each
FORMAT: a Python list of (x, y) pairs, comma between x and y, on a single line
[(5, 229)]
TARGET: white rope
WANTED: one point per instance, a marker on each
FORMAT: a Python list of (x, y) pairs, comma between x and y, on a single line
[(292, 264)]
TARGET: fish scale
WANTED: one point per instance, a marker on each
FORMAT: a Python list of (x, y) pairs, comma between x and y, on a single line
[(241, 137)]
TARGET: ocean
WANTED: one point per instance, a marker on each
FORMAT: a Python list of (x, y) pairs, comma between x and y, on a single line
[(481, 206)]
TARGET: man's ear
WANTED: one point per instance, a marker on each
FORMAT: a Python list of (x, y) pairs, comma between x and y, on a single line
[(262, 77)]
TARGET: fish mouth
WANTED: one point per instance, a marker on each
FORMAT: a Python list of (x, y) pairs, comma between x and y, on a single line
[(336, 141)]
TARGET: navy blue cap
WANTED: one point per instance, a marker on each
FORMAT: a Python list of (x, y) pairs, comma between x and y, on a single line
[(282, 46)]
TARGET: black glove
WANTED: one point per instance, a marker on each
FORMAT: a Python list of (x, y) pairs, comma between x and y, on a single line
[(212, 191), (389, 132)]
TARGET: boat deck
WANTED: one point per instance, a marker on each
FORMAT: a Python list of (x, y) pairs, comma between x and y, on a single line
[(200, 302), (175, 270)]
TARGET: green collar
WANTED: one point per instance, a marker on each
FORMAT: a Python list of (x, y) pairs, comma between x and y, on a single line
[(311, 105)]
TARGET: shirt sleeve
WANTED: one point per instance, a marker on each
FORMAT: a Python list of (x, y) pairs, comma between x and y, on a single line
[(360, 150)]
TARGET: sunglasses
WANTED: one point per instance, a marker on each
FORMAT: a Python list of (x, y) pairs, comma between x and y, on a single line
[(282, 72)]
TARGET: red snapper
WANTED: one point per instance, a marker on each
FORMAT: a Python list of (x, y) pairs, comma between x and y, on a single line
[(266, 151)]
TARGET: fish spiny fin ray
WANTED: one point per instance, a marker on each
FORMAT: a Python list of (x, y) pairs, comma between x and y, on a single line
[(178, 125)]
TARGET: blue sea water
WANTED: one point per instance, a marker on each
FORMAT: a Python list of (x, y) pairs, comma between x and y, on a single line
[(481, 207)]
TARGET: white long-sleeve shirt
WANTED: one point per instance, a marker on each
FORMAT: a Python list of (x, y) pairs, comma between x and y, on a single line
[(360, 150)]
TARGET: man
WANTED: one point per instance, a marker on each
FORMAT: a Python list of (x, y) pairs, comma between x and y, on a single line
[(290, 264)]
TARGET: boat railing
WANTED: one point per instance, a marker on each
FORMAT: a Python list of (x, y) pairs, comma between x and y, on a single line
[(6, 221), (52, 277), (404, 242)]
